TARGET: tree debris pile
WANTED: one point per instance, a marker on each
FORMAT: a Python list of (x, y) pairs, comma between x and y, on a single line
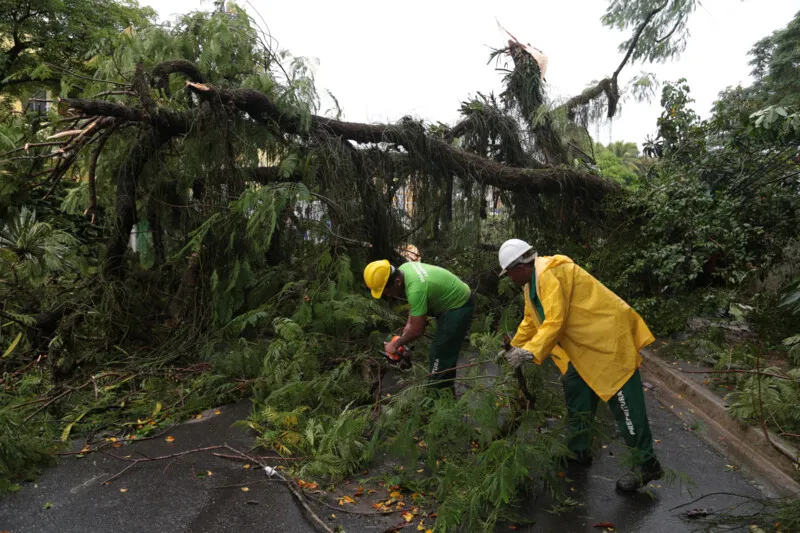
[(182, 227)]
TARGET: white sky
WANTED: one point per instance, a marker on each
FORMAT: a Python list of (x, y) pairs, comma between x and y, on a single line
[(422, 58)]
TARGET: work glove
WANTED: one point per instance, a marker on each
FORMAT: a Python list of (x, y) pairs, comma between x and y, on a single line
[(517, 356)]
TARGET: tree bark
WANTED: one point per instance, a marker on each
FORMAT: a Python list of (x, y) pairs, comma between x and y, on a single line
[(162, 71), (414, 140)]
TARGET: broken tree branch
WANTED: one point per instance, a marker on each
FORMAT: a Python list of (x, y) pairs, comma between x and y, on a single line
[(162, 71), (416, 142), (138, 460), (297, 494), (636, 37), (609, 86), (412, 137)]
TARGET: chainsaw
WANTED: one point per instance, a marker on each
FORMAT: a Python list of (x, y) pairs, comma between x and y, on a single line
[(523, 385), (401, 358)]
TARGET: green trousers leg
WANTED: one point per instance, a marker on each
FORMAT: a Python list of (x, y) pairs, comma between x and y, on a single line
[(581, 408), (627, 406), (631, 414), (451, 330)]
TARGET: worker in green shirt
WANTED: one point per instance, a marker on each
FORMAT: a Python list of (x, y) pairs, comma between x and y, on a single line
[(429, 290)]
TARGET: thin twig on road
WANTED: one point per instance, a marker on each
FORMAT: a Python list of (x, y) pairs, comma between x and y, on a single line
[(353, 511), (297, 494), (134, 462), (712, 494), (264, 457)]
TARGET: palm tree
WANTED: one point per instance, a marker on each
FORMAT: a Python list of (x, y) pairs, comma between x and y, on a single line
[(30, 249), (627, 152)]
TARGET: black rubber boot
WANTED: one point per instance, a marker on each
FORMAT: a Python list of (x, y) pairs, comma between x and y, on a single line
[(640, 476)]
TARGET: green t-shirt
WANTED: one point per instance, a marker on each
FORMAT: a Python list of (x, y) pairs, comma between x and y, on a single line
[(431, 289)]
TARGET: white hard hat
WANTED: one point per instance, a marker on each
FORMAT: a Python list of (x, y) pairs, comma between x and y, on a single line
[(512, 251)]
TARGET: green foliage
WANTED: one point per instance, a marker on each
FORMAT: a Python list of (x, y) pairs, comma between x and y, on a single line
[(663, 38), (714, 210), (619, 161), (774, 62), (776, 400), (41, 40), (23, 447), (31, 251)]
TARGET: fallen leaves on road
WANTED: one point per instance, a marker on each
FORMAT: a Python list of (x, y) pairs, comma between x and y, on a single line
[(246, 466), (170, 438), (346, 499), (123, 490), (245, 489), (604, 525), (306, 484), (408, 517)]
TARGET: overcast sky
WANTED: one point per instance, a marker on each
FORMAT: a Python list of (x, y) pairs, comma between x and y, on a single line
[(423, 57)]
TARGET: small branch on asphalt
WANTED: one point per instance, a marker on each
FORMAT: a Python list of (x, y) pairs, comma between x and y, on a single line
[(250, 483), (297, 494), (708, 496), (351, 511), (134, 462), (257, 457)]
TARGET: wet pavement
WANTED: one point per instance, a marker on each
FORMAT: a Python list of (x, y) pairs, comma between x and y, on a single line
[(682, 453), (200, 492)]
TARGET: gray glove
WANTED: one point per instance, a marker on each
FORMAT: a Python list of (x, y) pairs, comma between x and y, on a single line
[(517, 356)]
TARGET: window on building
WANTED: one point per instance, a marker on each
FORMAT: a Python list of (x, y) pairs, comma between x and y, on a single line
[(37, 103)]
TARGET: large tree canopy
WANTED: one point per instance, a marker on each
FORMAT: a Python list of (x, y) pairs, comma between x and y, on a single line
[(40, 40)]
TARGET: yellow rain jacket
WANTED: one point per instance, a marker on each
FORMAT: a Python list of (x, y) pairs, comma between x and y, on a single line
[(584, 324)]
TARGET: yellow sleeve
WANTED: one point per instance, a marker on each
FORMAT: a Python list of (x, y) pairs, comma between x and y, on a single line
[(527, 328), (554, 294)]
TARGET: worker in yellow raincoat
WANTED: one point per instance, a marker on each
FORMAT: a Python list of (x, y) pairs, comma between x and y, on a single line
[(594, 338)]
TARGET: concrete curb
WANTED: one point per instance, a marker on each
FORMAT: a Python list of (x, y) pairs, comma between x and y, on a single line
[(746, 445)]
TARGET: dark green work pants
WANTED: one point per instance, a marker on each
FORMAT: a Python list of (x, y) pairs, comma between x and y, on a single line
[(451, 329), (627, 406)]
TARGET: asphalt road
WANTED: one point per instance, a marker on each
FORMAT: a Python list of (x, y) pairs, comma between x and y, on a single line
[(200, 492)]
